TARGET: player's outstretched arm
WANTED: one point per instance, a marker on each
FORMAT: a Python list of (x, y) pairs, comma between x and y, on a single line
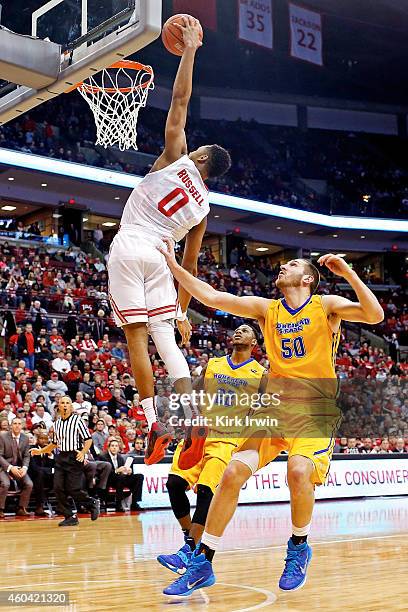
[(366, 310), (250, 307), (175, 137)]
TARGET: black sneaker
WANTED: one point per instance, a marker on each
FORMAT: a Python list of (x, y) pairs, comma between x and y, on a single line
[(95, 509), (70, 521)]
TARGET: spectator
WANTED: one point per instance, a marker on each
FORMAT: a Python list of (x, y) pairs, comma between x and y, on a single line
[(97, 235), (351, 447), (97, 476), (399, 446), (122, 476), (139, 447), (129, 389), (38, 315), (41, 416), (130, 438), (41, 471), (60, 364), (4, 423), (87, 345), (27, 344), (55, 385), (99, 436), (118, 351), (39, 392), (117, 403), (73, 379), (383, 448), (14, 461), (7, 408), (102, 395), (87, 387), (81, 405), (366, 446), (341, 446), (99, 327)]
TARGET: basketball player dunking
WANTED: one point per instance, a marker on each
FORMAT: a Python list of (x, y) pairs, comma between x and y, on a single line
[(171, 201), (301, 333)]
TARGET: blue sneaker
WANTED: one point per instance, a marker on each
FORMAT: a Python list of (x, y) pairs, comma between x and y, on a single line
[(296, 563), (178, 562), (199, 574)]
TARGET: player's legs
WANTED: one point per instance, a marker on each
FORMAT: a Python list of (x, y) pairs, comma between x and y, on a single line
[(128, 301), (216, 460), (204, 477), (140, 293), (162, 333), (137, 341), (178, 483), (177, 487), (199, 572), (302, 498), (308, 464), (252, 454), (224, 503)]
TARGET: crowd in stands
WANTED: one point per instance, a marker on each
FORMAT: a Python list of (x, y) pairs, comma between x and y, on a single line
[(361, 178), (60, 338)]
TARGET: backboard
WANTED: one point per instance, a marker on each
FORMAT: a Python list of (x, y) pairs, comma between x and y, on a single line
[(93, 34)]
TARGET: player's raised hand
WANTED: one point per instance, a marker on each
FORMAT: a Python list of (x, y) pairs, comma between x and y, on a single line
[(335, 264), (168, 252), (191, 31)]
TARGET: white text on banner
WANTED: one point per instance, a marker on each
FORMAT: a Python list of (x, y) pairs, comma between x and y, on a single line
[(305, 34), (255, 22), (347, 478)]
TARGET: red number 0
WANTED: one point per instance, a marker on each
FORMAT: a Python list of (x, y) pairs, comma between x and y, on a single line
[(179, 203)]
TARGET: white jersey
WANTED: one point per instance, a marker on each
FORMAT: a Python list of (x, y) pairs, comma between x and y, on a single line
[(168, 202)]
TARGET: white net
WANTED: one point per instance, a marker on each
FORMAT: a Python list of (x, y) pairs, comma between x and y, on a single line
[(115, 96)]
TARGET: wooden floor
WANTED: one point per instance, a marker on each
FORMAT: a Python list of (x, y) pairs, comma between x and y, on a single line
[(360, 560)]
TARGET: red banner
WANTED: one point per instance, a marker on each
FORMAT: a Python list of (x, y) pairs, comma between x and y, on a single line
[(204, 10)]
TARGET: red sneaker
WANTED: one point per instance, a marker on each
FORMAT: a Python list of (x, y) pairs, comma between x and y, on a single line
[(158, 440), (193, 447)]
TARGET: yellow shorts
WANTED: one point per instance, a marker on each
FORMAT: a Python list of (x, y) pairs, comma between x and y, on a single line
[(302, 431), (318, 450), (216, 456)]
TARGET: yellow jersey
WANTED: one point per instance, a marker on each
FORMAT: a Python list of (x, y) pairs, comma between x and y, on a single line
[(230, 392), (301, 345)]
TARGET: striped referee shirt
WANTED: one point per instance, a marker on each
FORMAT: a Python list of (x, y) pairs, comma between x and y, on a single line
[(71, 433)]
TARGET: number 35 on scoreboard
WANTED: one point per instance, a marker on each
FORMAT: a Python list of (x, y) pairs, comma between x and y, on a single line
[(255, 22)]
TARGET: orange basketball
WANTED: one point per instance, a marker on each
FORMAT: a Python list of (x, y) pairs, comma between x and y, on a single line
[(173, 37)]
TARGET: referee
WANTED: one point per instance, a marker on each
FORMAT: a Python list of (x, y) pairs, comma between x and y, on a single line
[(73, 440)]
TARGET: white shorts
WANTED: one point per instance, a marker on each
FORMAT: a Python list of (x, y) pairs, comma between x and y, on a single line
[(141, 286)]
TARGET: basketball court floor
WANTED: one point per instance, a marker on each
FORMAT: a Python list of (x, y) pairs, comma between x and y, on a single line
[(360, 560)]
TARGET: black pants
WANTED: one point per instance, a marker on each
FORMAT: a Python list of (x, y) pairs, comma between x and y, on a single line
[(99, 471), (43, 481), (68, 480), (134, 482)]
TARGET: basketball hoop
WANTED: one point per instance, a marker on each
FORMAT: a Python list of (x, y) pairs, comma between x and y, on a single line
[(115, 96)]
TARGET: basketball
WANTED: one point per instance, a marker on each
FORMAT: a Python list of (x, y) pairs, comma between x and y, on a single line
[(173, 37)]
